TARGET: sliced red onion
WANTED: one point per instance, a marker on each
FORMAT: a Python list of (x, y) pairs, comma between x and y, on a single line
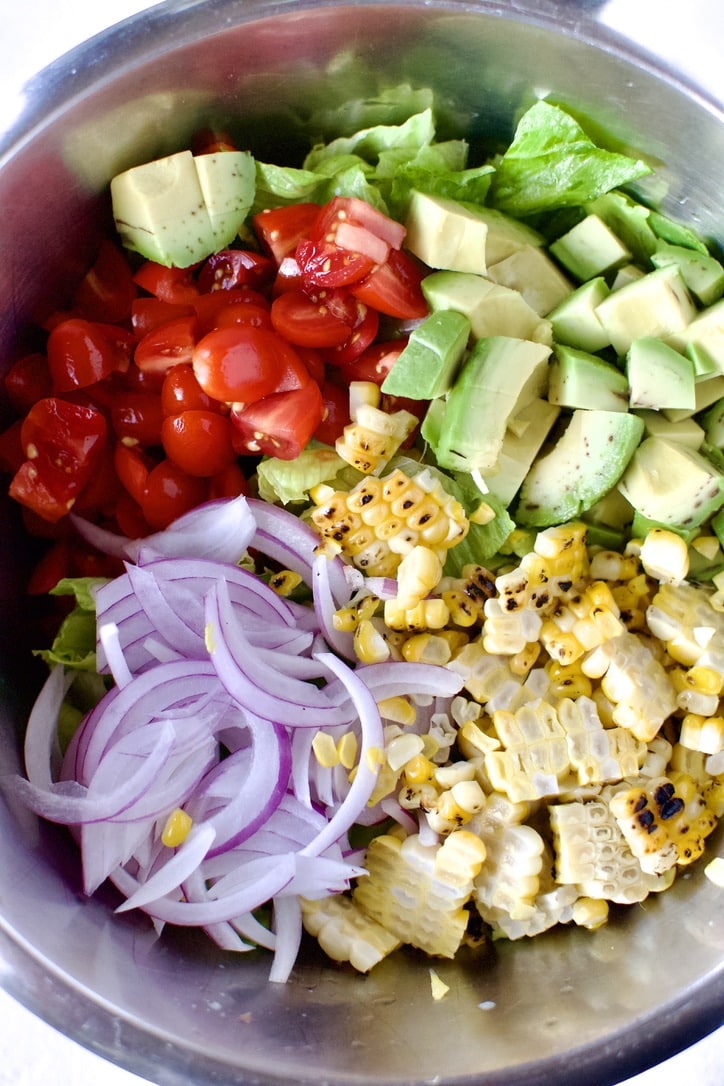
[(110, 642), (182, 863), (41, 738), (398, 677), (288, 930), (325, 606)]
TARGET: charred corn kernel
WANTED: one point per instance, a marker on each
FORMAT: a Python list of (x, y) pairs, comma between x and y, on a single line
[(398, 709), (345, 933), (484, 514), (713, 795), (707, 546), (523, 661), (347, 747), (704, 680), (608, 565), (373, 436), (417, 575), (635, 681), (683, 618), (346, 619), (447, 814), (469, 796), (461, 609), (705, 734), (421, 796), (370, 645), (418, 892), (325, 750), (665, 556), (176, 829), (419, 770), (589, 913), (430, 614), (507, 632), (568, 680), (426, 648), (456, 639), (560, 645), (664, 823), (284, 582), (402, 749)]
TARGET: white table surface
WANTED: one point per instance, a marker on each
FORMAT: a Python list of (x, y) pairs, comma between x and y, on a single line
[(33, 34)]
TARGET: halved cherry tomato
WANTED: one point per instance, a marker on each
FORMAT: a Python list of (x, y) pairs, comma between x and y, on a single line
[(361, 337), (167, 345), (241, 363), (148, 313), (132, 468), (11, 448), (278, 425), (375, 363), (137, 418), (328, 265), (81, 353), (235, 268), (394, 287), (229, 483), (313, 360), (63, 443), (343, 211), (182, 392), (175, 285), (100, 493), (280, 229), (200, 442), (130, 519), (335, 416), (308, 322), (258, 316), (27, 381), (169, 493), (107, 291), (210, 142), (51, 568)]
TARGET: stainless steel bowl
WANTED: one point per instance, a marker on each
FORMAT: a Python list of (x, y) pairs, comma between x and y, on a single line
[(567, 1007)]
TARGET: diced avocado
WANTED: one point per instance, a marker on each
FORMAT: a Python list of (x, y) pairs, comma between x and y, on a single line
[(521, 445), (629, 273), (657, 304), (612, 510), (704, 365), (588, 459), (671, 484), (491, 309), (575, 320), (705, 333), (532, 272), (702, 273), (580, 379), (500, 376), (629, 221), (713, 423), (453, 236), (175, 215), (686, 431), (658, 376), (228, 183), (429, 361), (706, 392), (589, 249)]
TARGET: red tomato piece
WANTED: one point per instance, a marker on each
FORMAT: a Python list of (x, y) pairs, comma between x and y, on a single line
[(233, 268), (373, 364), (167, 345), (129, 517), (148, 313), (199, 442), (102, 490), (362, 336), (313, 360), (81, 353), (307, 321), (107, 291), (51, 568), (289, 277), (258, 316), (169, 493), (394, 287), (175, 285), (210, 142), (241, 363), (229, 483), (63, 443), (11, 448), (132, 468), (27, 381), (280, 229), (182, 392), (209, 307), (279, 425), (350, 210), (137, 418), (331, 266), (335, 415)]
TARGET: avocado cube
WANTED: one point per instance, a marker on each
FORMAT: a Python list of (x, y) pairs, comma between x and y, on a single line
[(533, 274), (428, 363), (659, 377), (687, 431), (491, 309), (706, 392), (580, 379), (575, 320), (228, 184), (702, 273), (590, 248), (704, 334), (523, 440), (713, 422), (673, 485), (657, 304)]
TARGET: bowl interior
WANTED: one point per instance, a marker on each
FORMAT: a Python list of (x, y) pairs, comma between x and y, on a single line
[(569, 1006)]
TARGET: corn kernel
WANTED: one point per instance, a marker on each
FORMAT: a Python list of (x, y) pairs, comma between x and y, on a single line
[(417, 575), (403, 748), (469, 796), (369, 644), (665, 556), (591, 913), (398, 709), (347, 747), (702, 733), (456, 640), (705, 680), (523, 661), (284, 582), (426, 648), (707, 546), (461, 609), (562, 646), (325, 750), (419, 770), (484, 514), (176, 829)]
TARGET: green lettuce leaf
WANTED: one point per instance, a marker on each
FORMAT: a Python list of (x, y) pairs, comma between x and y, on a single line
[(552, 163), (368, 143), (74, 645), (289, 481)]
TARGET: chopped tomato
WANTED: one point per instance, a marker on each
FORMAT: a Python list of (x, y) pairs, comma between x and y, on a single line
[(182, 392), (308, 322), (167, 345), (169, 493), (258, 316), (63, 443), (100, 493), (394, 287), (329, 265), (137, 418), (344, 211), (242, 363), (130, 519), (233, 268), (335, 414), (209, 307), (27, 381), (175, 285), (313, 360), (289, 277), (375, 363), (200, 442), (280, 229), (107, 291), (229, 483), (361, 337), (210, 142), (51, 568), (278, 425), (132, 468), (148, 313), (11, 448), (81, 353)]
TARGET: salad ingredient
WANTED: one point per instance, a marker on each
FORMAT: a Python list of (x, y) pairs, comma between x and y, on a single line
[(670, 484), (658, 376), (428, 364), (579, 379), (178, 210), (589, 249), (657, 304), (492, 310)]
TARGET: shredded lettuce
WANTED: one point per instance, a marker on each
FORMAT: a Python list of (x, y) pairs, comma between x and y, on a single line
[(552, 163), (289, 481), (368, 143), (74, 645)]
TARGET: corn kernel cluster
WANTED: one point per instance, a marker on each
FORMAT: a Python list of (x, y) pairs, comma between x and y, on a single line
[(582, 763)]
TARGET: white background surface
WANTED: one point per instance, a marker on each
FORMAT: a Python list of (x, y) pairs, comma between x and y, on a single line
[(33, 34)]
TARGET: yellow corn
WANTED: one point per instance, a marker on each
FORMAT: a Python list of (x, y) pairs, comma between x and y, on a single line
[(589, 913), (402, 749), (665, 555), (523, 661), (429, 614), (419, 770), (704, 680), (426, 648), (325, 750), (347, 747), (665, 823), (345, 933), (373, 436), (705, 734), (370, 645), (398, 709), (176, 829), (417, 574), (461, 609)]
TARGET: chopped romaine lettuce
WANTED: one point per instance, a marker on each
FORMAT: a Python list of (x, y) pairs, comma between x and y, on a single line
[(417, 131), (289, 481)]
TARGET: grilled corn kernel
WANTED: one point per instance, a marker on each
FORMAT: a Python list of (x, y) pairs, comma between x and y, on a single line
[(462, 610), (417, 575), (665, 556), (704, 680), (702, 733), (560, 645), (426, 648), (176, 829), (523, 661), (590, 913), (419, 770), (284, 582), (370, 645)]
